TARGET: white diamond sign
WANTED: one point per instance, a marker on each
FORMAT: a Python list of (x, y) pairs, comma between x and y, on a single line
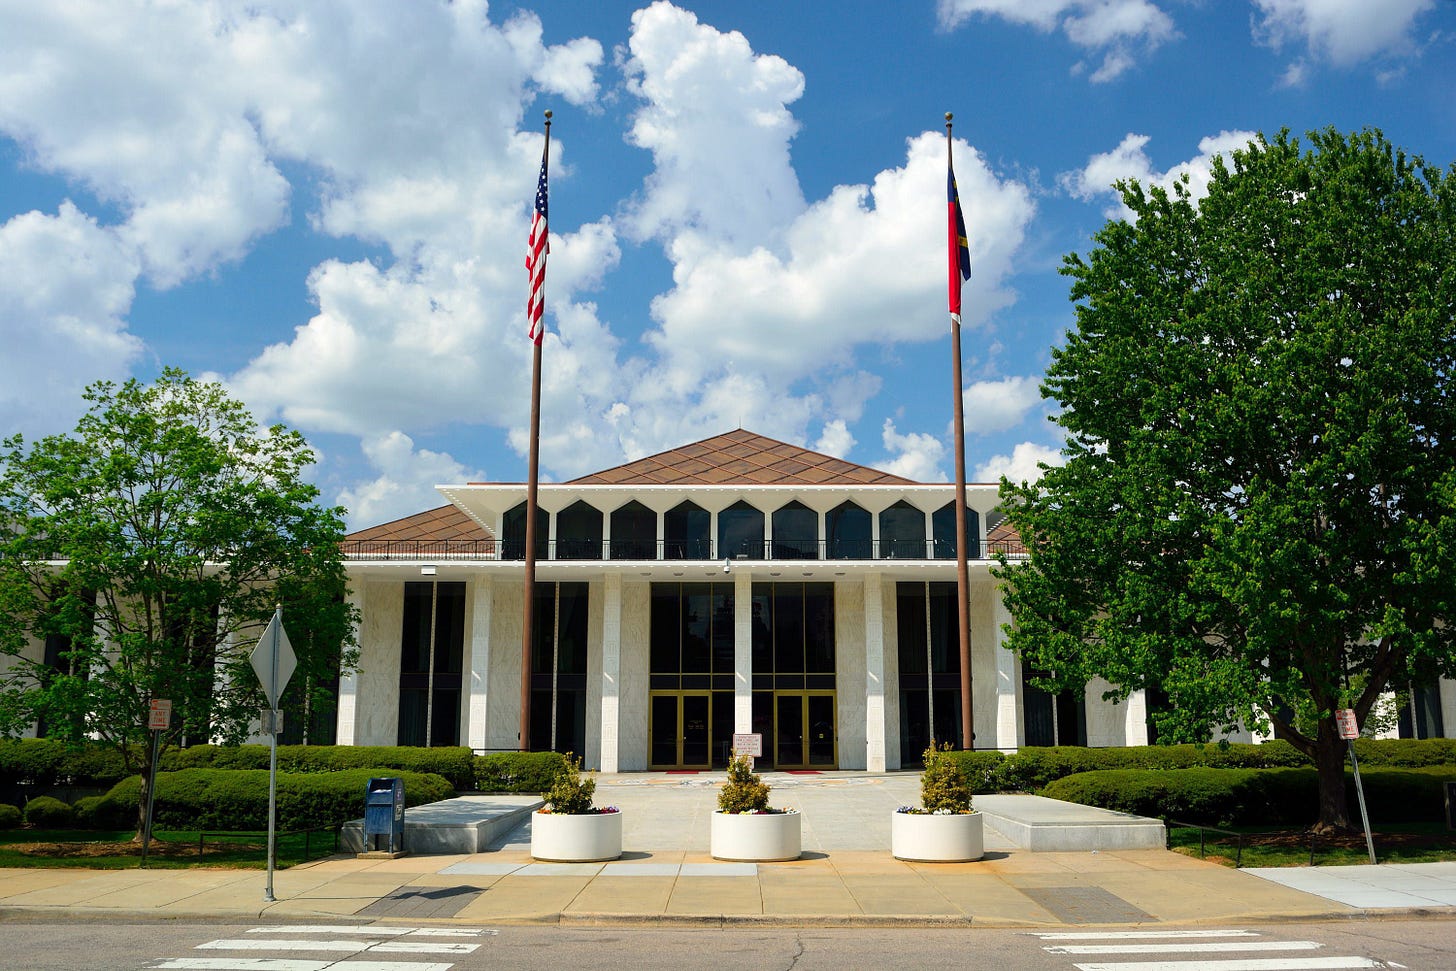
[(273, 659)]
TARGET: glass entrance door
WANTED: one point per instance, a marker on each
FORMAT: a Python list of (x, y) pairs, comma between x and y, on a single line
[(680, 730), (804, 730)]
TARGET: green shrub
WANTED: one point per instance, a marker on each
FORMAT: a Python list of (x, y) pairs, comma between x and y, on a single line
[(237, 799), (570, 793), (981, 768), (1254, 797), (944, 786), (46, 812), (10, 817), (104, 812), (517, 771), (455, 763), (745, 791)]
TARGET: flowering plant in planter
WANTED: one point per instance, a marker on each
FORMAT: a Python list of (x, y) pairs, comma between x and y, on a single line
[(569, 829), (570, 794), (945, 829), (945, 790), (745, 792)]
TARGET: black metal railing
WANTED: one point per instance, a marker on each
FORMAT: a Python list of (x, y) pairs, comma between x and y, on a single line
[(675, 550)]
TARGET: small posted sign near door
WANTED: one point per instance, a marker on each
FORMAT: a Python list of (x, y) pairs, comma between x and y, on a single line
[(749, 744), (1345, 722)]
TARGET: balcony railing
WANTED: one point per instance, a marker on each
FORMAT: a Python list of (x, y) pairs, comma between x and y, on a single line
[(674, 551)]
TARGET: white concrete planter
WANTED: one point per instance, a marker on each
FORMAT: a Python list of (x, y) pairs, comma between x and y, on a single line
[(756, 837), (568, 838), (925, 838)]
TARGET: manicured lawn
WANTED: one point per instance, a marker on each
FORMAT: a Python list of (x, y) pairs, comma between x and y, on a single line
[(113, 850), (1394, 843)]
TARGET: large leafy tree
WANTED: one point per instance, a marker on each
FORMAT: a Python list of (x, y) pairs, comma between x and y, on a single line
[(1257, 510), (146, 551)]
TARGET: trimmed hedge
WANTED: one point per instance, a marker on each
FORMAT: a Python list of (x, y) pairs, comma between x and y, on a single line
[(1254, 797), (46, 812), (518, 771), (983, 769), (98, 812), (47, 763), (455, 763), (10, 817), (237, 799), (1033, 768)]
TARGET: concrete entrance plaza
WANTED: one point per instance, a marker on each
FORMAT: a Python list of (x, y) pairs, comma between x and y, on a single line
[(846, 876)]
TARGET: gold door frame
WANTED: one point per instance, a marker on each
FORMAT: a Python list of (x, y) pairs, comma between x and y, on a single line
[(678, 728), (833, 696)]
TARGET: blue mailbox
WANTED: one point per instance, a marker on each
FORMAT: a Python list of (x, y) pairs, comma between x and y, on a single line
[(384, 813)]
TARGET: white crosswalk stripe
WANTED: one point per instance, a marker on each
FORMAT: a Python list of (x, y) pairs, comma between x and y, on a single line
[(369, 948), (1151, 947)]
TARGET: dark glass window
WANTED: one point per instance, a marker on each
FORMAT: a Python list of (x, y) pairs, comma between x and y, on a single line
[(740, 532), (902, 532), (1052, 719), (558, 667), (942, 521), (513, 533), (429, 695), (634, 532), (795, 532), (847, 532), (936, 649), (687, 527), (692, 631), (579, 532), (793, 629)]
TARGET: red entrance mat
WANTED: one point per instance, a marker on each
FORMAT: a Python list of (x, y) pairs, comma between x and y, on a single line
[(682, 771), (802, 772)]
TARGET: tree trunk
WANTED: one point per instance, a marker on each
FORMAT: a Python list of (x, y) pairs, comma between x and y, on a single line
[(1334, 812), (143, 794)]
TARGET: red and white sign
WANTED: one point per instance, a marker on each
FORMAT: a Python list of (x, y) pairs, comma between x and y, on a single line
[(160, 713), (749, 743), (1345, 722)]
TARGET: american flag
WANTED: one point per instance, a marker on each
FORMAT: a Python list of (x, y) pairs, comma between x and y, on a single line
[(536, 249), (960, 249)]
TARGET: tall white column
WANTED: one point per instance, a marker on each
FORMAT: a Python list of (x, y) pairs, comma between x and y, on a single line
[(1008, 684), (874, 632), (348, 713), (482, 601), (742, 649), (611, 668), (1135, 718)]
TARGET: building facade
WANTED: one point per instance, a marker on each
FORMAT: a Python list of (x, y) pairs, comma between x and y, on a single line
[(735, 585)]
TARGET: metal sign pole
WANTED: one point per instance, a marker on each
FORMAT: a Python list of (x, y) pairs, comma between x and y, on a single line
[(1360, 792), (151, 798), (273, 759)]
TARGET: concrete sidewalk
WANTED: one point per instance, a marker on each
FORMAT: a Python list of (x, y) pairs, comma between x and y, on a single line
[(846, 877)]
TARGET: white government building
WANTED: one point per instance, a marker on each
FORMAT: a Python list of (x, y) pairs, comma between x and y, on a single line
[(738, 584)]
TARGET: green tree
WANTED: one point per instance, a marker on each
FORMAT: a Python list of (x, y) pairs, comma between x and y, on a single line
[(1257, 510), (146, 551)]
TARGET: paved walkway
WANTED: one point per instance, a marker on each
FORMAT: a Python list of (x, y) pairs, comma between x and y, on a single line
[(846, 876)]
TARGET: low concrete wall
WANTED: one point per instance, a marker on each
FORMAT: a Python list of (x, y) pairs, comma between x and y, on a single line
[(466, 824), (1049, 825)]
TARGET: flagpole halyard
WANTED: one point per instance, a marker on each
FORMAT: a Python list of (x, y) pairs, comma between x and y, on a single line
[(537, 248), (959, 266)]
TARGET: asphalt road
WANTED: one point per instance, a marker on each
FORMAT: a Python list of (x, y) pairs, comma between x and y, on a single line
[(1427, 944)]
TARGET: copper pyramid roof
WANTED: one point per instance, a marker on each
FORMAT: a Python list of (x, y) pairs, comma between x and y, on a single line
[(740, 458), (441, 525)]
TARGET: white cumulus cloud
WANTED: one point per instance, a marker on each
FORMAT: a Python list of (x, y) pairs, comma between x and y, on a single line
[(406, 480), (1129, 161), (917, 455), (1344, 32), (1115, 30), (1022, 465)]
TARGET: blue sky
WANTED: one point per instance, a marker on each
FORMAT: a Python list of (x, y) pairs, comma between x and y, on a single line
[(325, 206)]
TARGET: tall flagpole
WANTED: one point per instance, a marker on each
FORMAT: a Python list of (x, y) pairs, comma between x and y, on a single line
[(535, 310), (956, 232)]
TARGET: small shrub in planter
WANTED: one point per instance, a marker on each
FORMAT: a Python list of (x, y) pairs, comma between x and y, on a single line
[(943, 828), (745, 791), (10, 817), (570, 794), (569, 828), (46, 812)]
